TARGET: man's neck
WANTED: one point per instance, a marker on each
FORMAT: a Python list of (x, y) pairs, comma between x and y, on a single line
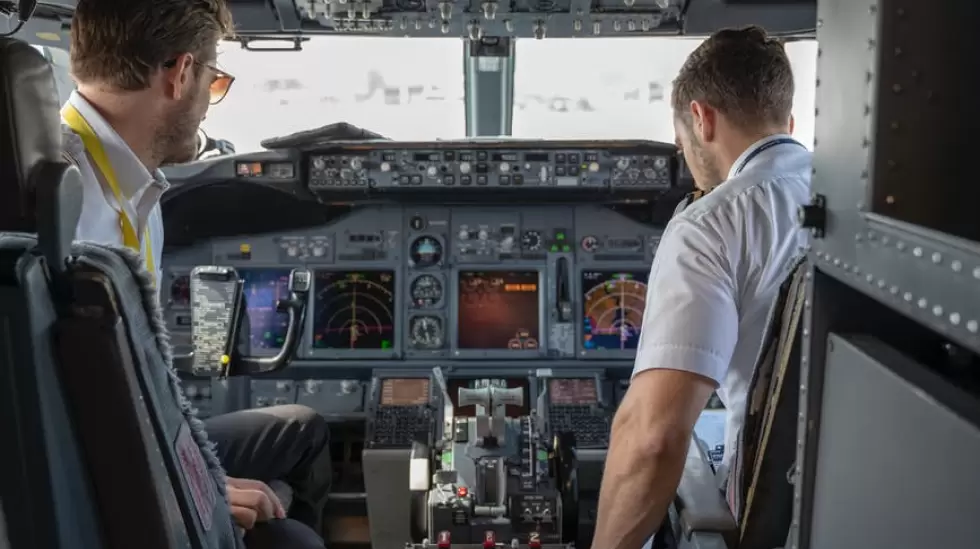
[(737, 143), (127, 115)]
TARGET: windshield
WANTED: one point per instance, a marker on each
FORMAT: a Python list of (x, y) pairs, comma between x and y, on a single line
[(619, 88), (402, 89)]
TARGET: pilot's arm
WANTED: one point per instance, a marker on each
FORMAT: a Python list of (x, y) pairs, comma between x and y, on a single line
[(690, 328)]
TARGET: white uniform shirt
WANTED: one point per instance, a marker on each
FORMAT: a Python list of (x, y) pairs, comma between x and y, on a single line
[(140, 189), (718, 270)]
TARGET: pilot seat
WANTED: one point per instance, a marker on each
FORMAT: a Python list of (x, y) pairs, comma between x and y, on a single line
[(103, 450)]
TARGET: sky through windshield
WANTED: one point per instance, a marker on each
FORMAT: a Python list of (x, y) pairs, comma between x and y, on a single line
[(619, 88), (403, 89), (413, 89)]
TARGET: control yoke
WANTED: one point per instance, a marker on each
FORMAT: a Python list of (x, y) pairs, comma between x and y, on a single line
[(218, 310)]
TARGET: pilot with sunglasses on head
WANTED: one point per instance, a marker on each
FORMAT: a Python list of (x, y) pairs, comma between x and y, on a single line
[(146, 74)]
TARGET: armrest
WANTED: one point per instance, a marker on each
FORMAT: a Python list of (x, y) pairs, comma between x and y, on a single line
[(701, 504)]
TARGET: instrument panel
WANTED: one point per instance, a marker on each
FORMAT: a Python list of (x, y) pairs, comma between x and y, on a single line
[(406, 166), (414, 283)]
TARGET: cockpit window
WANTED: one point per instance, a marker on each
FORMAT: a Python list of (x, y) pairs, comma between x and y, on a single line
[(619, 88), (402, 89)]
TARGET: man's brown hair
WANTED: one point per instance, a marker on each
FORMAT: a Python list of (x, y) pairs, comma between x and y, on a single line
[(120, 43), (743, 73)]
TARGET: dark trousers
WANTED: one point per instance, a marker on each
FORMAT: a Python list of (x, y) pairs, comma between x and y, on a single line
[(286, 443)]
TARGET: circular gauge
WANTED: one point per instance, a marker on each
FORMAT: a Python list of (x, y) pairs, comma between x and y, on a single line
[(180, 291), (426, 291), (425, 251), (531, 240), (426, 333)]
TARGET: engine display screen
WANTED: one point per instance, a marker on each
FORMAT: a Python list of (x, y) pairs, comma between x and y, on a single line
[(572, 392), (613, 304), (263, 288), (499, 310), (405, 392), (354, 310)]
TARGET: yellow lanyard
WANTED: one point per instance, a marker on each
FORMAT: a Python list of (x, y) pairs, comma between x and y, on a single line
[(93, 145)]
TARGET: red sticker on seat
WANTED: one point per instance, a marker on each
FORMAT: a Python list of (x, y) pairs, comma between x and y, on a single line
[(196, 475)]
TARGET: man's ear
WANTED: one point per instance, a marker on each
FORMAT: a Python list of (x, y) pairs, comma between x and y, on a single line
[(792, 124), (177, 74), (704, 119)]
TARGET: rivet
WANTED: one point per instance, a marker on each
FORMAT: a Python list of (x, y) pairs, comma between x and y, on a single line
[(954, 319), (870, 279), (898, 52), (881, 283), (901, 246), (907, 296), (836, 262), (845, 266), (976, 273), (956, 265), (917, 251), (923, 303), (889, 199), (972, 326), (893, 290), (937, 310), (897, 88), (937, 257), (857, 270), (871, 235), (885, 240), (857, 237)]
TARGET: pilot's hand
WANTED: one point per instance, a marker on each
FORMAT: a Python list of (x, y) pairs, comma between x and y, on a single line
[(252, 501)]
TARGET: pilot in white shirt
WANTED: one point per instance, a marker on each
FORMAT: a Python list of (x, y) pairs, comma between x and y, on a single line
[(104, 215), (716, 275)]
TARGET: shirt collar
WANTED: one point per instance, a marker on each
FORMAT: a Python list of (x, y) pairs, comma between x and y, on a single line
[(751, 150), (132, 174)]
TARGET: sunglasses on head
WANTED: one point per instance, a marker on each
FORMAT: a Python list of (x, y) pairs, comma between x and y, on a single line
[(219, 85)]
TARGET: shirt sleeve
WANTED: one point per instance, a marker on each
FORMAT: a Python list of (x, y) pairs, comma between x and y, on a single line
[(690, 322)]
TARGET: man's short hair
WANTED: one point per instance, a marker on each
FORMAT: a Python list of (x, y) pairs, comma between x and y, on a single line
[(120, 43), (743, 73)]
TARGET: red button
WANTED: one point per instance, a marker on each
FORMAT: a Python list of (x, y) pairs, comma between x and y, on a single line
[(489, 539), (444, 541), (462, 491)]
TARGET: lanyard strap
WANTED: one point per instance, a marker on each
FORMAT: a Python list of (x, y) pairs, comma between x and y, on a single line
[(689, 198), (763, 148), (93, 145)]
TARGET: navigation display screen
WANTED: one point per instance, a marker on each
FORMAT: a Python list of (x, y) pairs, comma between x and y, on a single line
[(572, 392), (354, 310), (263, 288), (613, 304), (499, 310), (405, 392)]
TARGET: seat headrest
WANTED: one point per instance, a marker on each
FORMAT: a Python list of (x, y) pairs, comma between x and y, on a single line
[(30, 129)]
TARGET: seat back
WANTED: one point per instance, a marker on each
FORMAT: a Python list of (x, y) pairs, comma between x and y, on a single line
[(105, 435), (44, 471), (760, 483)]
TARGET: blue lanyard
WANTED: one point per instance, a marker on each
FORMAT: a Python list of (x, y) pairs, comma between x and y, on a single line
[(765, 147)]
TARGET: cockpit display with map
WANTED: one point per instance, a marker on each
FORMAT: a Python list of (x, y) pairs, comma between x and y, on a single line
[(499, 310), (354, 310), (612, 305), (263, 288)]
